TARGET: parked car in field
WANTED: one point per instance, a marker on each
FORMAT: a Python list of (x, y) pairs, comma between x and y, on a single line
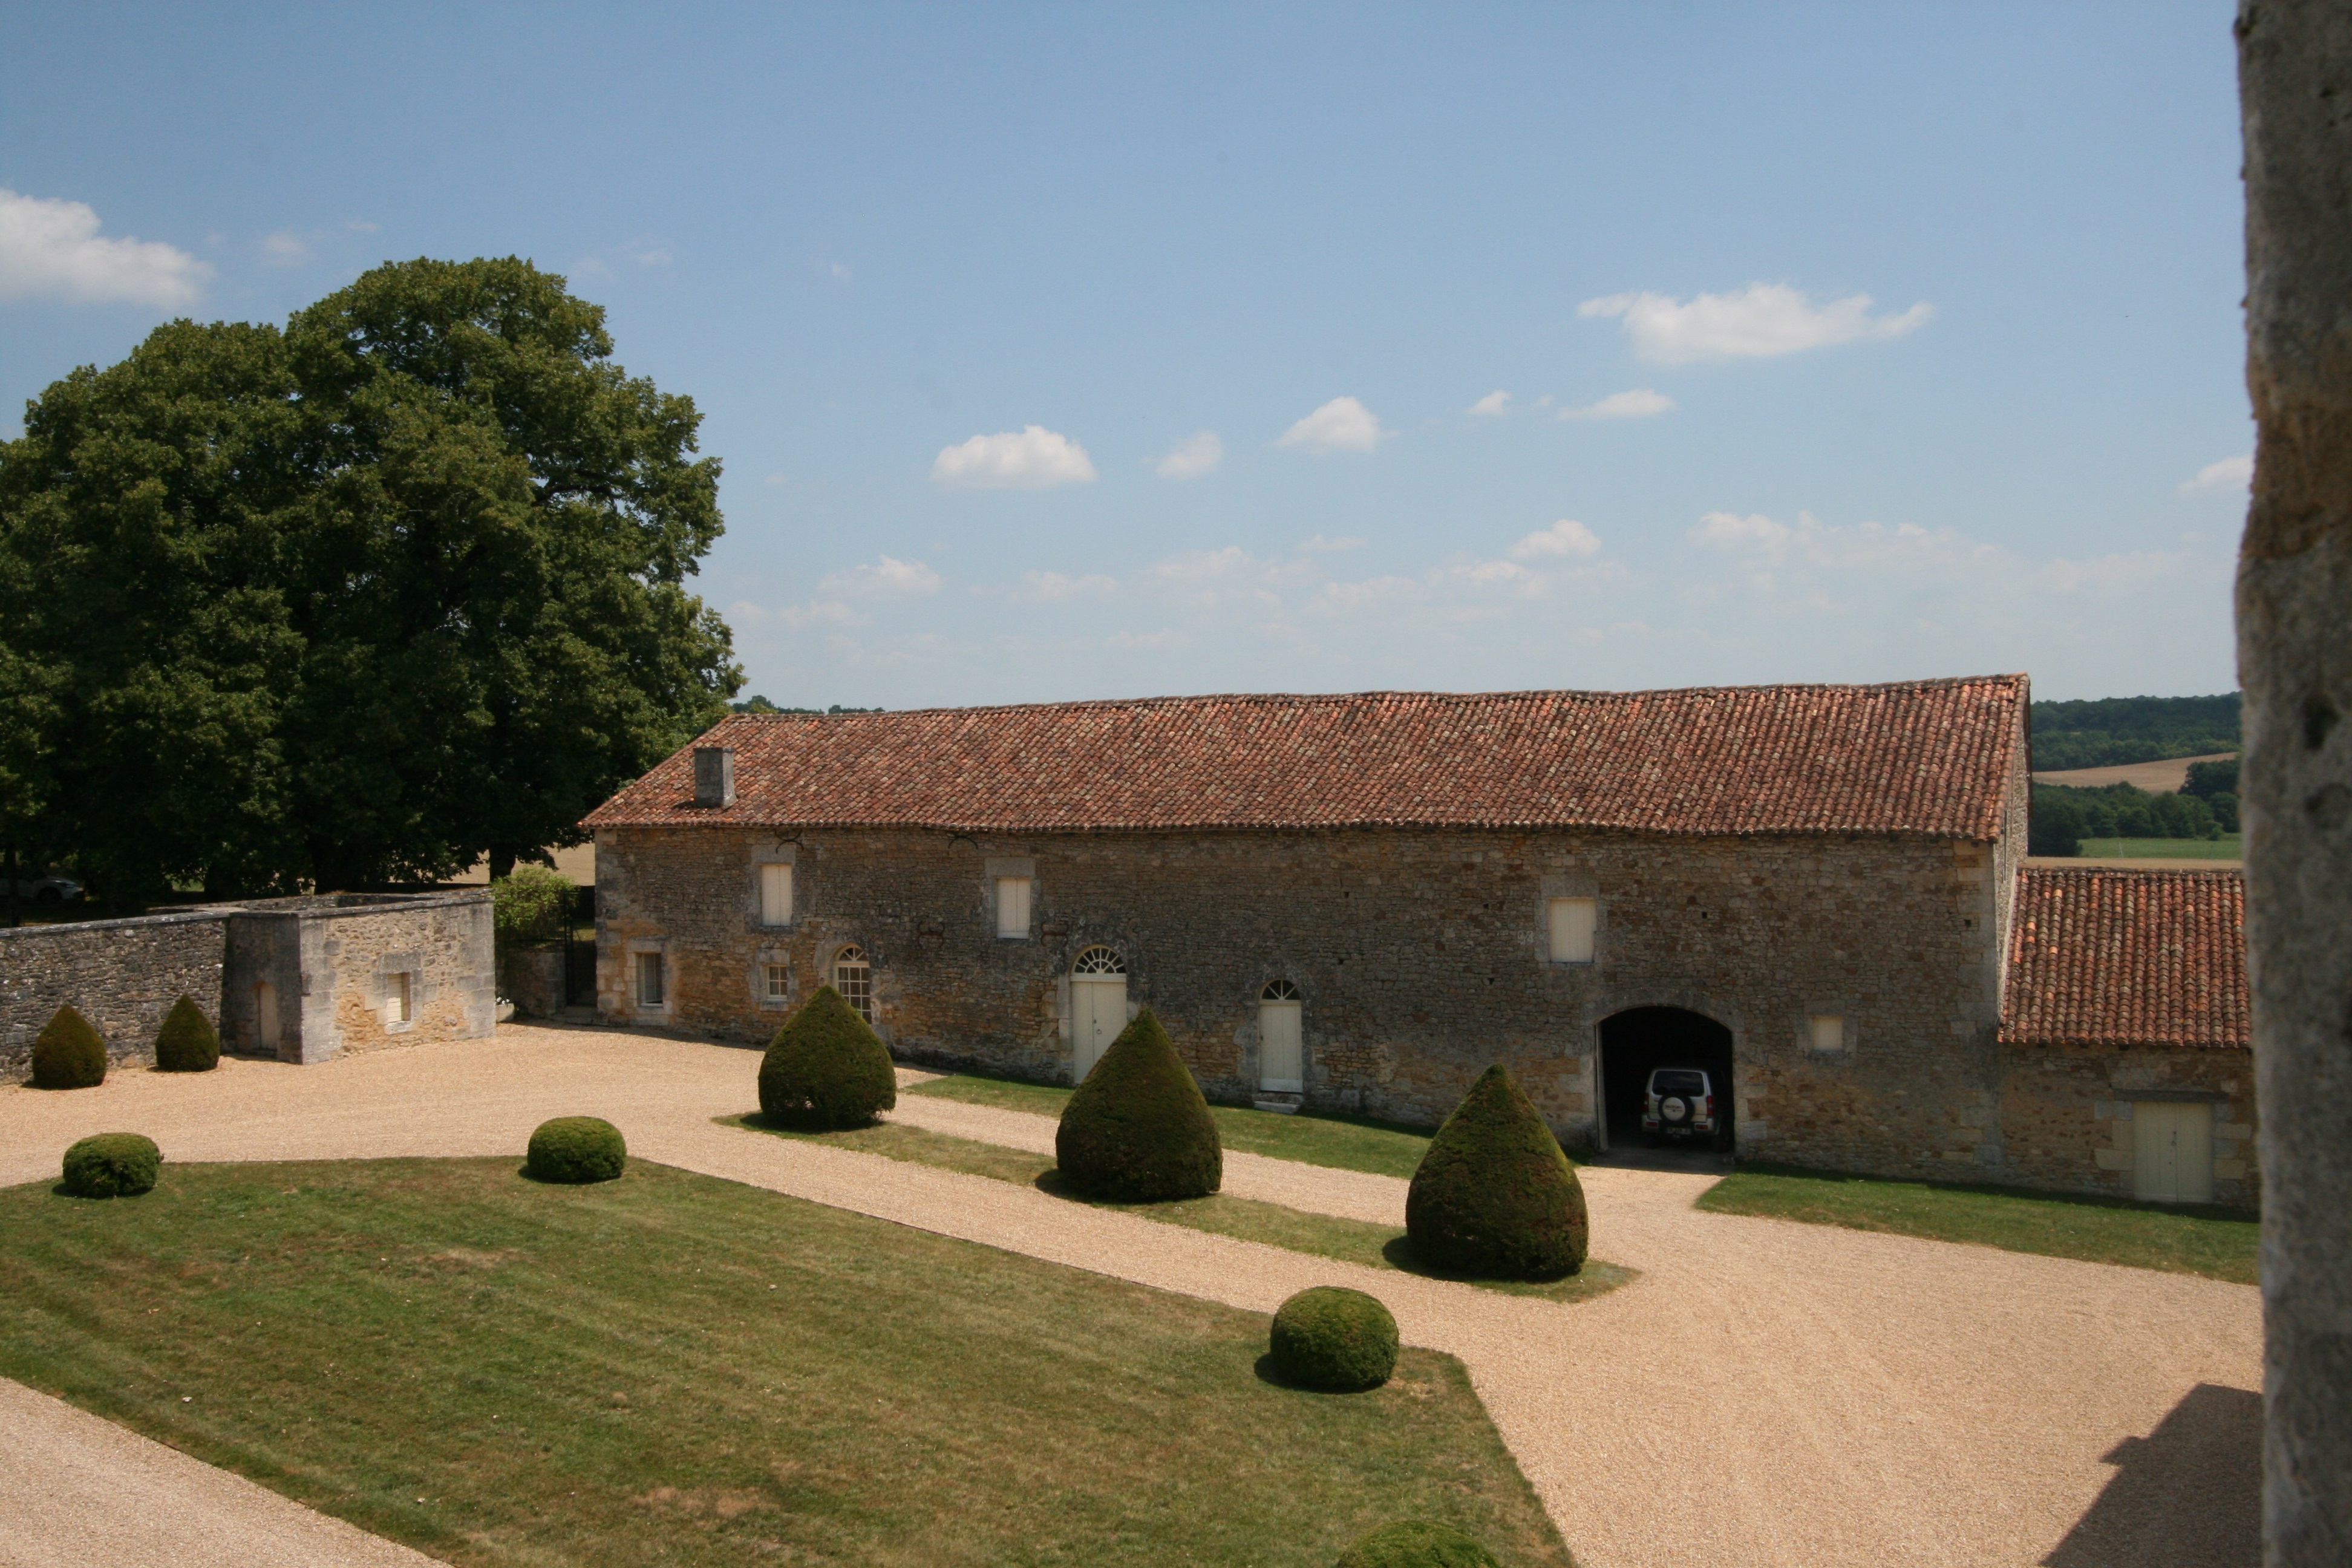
[(47, 889), (1679, 1102)]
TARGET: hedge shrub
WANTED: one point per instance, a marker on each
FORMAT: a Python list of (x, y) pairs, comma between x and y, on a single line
[(112, 1165), (576, 1149), (187, 1042), (1333, 1338), (1417, 1544), (1494, 1195), (826, 1068), (1139, 1129), (68, 1053)]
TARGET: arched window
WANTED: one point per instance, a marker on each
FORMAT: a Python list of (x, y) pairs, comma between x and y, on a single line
[(1098, 960), (853, 976), (1279, 991)]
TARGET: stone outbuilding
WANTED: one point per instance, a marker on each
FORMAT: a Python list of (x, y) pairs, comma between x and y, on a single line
[(301, 979), (2126, 1053), (1357, 902)]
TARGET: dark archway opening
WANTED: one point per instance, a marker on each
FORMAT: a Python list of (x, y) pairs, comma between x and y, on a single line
[(1641, 1038)]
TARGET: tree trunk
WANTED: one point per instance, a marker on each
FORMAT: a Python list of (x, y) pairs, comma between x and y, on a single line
[(2294, 657), (502, 861)]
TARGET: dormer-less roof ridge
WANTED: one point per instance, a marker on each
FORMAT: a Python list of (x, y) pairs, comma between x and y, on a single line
[(1928, 757)]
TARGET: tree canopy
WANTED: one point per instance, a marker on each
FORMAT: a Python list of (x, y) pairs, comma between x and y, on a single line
[(356, 601)]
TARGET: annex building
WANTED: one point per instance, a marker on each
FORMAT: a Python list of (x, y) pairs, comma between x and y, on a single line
[(1356, 902)]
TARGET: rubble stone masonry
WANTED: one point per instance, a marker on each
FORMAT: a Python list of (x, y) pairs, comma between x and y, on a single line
[(1421, 956)]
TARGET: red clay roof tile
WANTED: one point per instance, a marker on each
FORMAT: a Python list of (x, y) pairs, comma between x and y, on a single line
[(2105, 956), (1921, 757)]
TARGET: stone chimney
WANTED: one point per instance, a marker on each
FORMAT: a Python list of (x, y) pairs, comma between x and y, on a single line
[(714, 775)]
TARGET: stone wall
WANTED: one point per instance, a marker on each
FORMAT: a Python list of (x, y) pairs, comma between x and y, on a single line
[(303, 979), (123, 975), (1421, 957), (2066, 1113)]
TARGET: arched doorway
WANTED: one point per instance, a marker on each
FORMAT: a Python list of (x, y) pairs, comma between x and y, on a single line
[(1639, 1039), (1098, 1007)]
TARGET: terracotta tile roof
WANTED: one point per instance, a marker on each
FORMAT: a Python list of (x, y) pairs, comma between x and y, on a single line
[(1923, 757), (2102, 956)]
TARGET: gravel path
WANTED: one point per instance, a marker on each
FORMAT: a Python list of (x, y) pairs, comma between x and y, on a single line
[(1766, 1392), (69, 1475)]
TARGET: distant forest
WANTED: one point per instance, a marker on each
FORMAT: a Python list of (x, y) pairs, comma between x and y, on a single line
[(761, 705), (2114, 731)]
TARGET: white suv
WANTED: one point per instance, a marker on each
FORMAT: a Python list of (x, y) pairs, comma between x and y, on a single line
[(1679, 1103)]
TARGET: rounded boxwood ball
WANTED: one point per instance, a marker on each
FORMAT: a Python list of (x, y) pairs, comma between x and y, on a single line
[(1138, 1130), (1417, 1544), (68, 1053), (187, 1042), (112, 1165), (1494, 1196), (1333, 1338), (576, 1149), (826, 1068)]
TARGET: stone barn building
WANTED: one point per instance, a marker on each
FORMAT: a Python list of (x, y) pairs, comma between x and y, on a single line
[(1357, 902), (2128, 1059)]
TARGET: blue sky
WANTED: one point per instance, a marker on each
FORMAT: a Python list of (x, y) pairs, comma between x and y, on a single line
[(1255, 274)]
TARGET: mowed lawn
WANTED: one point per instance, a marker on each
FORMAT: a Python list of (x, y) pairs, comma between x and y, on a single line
[(2220, 1244), (670, 1368), (1344, 1143)]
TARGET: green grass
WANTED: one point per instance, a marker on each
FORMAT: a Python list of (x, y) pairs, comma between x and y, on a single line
[(1311, 1138), (2220, 1244), (671, 1368), (2228, 847), (1247, 1219)]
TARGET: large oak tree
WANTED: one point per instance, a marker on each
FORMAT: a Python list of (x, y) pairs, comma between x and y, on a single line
[(358, 601)]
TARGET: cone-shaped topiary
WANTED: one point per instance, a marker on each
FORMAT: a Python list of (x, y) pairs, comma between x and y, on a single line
[(112, 1165), (826, 1068), (1333, 1338), (1417, 1544), (576, 1149), (68, 1053), (1494, 1195), (1138, 1130), (187, 1041)]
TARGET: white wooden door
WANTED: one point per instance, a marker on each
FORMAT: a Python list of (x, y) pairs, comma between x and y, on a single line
[(2172, 1151), (1097, 1013), (1281, 1050)]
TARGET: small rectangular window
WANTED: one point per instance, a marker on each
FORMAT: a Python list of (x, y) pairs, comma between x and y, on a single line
[(776, 982), (1012, 906), (1828, 1031), (395, 998), (1573, 922), (775, 895), (649, 980)]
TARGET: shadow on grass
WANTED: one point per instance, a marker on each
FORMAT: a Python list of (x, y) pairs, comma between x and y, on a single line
[(1271, 1374)]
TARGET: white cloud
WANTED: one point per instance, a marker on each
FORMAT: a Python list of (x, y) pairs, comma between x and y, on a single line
[(360, 225), (1729, 531), (1342, 424), (650, 255), (1566, 537), (1053, 588), (840, 271), (285, 249), (1323, 544), (1639, 403), (2229, 474), (825, 614), (1756, 323), (51, 249), (1493, 404), (1193, 457), (888, 576), (1033, 458)]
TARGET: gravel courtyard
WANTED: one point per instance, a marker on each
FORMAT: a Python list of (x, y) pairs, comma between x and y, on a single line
[(1765, 1392)]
